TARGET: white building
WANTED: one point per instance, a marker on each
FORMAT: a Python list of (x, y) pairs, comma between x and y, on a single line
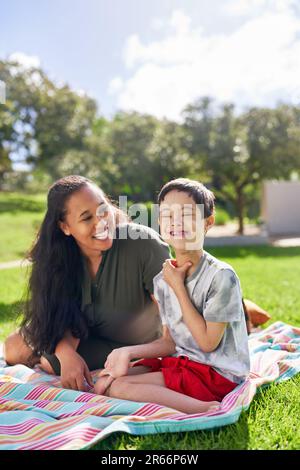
[(281, 207)]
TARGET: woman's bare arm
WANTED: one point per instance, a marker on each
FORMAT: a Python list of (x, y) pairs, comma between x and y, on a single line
[(67, 344)]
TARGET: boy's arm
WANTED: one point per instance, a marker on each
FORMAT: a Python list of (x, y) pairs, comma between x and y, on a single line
[(118, 361), (161, 347), (207, 334), (222, 306)]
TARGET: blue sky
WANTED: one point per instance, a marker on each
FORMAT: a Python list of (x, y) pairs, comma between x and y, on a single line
[(156, 56)]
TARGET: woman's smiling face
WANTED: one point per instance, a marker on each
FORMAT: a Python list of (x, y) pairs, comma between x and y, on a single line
[(90, 219)]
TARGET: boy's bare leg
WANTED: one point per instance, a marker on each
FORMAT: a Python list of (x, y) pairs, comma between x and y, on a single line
[(151, 388), (105, 381)]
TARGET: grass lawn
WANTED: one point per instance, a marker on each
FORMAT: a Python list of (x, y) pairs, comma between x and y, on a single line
[(20, 217), (270, 277)]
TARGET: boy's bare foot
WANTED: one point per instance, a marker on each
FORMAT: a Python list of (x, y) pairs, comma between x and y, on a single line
[(46, 366), (213, 405), (102, 384)]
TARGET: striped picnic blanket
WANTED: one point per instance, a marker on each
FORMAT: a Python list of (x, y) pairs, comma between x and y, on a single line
[(36, 413)]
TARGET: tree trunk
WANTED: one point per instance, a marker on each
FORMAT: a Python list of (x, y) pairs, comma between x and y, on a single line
[(240, 210)]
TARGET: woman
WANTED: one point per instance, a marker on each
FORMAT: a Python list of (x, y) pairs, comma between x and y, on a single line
[(90, 289)]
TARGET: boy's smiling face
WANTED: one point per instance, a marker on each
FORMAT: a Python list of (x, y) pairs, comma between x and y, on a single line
[(181, 220)]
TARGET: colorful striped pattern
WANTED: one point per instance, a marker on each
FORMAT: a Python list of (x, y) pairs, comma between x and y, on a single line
[(36, 413)]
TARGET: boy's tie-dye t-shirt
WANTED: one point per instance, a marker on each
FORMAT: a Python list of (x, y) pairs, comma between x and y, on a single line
[(214, 289)]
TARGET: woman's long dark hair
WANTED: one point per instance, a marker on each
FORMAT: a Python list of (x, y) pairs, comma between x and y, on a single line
[(53, 303)]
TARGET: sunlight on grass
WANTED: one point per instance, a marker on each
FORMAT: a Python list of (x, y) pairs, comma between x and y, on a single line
[(270, 277), (20, 218)]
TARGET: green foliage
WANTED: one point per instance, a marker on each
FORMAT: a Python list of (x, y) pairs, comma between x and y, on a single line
[(221, 217), (63, 122), (58, 132), (241, 151), (41, 120)]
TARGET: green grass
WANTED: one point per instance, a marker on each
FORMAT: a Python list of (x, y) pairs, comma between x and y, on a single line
[(20, 218), (270, 277), (12, 290)]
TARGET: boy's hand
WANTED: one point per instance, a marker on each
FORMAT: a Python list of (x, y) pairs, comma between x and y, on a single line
[(175, 276), (117, 363)]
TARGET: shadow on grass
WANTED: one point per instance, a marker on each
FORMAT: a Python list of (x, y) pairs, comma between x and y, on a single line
[(11, 312)]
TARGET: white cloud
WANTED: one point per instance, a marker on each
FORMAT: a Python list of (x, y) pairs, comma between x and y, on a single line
[(253, 7), (157, 24), (180, 21), (258, 63), (116, 84), (80, 92), (26, 61)]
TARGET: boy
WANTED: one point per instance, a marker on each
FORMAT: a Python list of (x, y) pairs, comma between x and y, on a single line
[(203, 353)]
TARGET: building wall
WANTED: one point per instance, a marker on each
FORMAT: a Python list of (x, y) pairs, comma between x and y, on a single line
[(281, 207)]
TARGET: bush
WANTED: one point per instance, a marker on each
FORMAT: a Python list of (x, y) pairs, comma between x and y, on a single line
[(222, 217)]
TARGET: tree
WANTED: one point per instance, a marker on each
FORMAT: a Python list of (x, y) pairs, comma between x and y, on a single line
[(48, 120), (63, 121), (198, 123), (169, 156), (129, 137), (229, 161), (239, 152), (22, 91), (6, 134)]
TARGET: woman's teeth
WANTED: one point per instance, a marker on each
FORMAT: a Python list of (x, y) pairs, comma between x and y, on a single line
[(101, 235)]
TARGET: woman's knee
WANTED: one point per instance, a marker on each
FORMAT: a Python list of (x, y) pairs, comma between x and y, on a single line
[(10, 348), (16, 351)]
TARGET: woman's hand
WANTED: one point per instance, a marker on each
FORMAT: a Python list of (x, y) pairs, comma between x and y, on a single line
[(75, 373), (174, 276), (117, 363)]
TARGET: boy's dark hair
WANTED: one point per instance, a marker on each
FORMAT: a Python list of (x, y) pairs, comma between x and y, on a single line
[(196, 190)]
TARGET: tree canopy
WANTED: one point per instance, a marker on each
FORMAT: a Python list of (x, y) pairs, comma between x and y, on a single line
[(56, 131)]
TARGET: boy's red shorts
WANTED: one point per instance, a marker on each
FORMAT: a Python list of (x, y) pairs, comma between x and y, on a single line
[(196, 380)]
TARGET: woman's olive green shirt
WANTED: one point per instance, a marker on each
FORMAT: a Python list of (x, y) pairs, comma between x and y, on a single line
[(117, 303)]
